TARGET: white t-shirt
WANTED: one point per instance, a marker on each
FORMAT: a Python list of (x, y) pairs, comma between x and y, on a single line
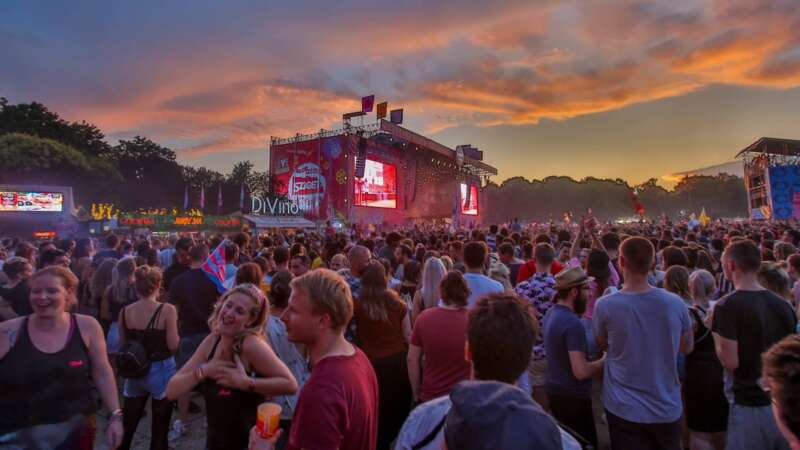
[(480, 285)]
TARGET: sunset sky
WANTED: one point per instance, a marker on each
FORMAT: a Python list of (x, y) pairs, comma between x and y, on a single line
[(627, 89)]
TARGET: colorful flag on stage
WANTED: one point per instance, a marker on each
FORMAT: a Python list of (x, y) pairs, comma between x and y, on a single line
[(214, 267), (202, 196), (396, 116), (381, 109), (186, 198), (367, 103)]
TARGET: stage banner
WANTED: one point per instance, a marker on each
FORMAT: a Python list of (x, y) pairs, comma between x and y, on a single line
[(784, 183), (299, 176), (334, 163), (313, 174), (380, 109)]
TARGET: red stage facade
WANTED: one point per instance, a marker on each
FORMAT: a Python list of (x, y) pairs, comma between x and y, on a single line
[(406, 177)]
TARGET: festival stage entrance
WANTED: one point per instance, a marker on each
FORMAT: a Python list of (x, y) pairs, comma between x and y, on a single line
[(379, 173)]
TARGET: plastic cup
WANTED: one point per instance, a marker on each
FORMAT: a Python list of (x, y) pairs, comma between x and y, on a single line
[(268, 419)]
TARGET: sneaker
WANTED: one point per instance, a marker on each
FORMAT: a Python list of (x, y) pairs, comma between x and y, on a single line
[(177, 431)]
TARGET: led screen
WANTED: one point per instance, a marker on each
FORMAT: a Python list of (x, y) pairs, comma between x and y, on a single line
[(469, 206), (31, 201), (378, 188)]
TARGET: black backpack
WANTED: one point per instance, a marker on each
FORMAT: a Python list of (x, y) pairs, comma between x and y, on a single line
[(133, 360)]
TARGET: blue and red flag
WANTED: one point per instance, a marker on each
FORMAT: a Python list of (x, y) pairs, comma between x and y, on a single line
[(214, 267)]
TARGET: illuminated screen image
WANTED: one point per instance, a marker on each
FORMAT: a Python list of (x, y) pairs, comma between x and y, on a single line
[(378, 188), (31, 201), (469, 206)]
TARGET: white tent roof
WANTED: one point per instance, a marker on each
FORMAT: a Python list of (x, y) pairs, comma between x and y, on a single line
[(279, 221)]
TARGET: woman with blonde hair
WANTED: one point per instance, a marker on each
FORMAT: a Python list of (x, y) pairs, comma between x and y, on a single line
[(433, 272), (234, 368), (703, 389), (500, 273)]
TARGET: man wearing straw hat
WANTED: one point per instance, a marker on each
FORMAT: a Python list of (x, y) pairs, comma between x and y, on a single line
[(569, 374)]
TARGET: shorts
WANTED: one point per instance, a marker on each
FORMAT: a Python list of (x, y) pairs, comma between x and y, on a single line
[(593, 349), (752, 427), (537, 372), (112, 340), (187, 346), (154, 383)]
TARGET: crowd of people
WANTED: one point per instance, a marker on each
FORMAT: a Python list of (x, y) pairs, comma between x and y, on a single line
[(669, 336)]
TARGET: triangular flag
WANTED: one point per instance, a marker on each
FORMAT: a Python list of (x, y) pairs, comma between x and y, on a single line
[(381, 109), (367, 103), (214, 267)]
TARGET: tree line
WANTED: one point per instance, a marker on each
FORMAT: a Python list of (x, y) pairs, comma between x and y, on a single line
[(722, 195), (39, 147)]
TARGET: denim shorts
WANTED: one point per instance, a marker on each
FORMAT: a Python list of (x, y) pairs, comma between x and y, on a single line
[(112, 340), (154, 383), (187, 346)]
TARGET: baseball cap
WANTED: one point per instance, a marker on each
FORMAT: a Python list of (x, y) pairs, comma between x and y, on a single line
[(490, 415)]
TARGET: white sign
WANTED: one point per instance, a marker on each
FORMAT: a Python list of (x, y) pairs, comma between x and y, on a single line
[(273, 206)]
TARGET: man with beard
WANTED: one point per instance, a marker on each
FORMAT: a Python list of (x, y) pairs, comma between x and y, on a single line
[(569, 374), (643, 329)]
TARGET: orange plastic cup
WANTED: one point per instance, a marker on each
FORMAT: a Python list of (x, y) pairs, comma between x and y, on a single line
[(268, 419)]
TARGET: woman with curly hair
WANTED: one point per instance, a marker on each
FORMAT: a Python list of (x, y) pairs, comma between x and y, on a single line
[(234, 368)]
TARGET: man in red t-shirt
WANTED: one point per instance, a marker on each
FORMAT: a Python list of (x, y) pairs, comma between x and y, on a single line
[(338, 406), (528, 269)]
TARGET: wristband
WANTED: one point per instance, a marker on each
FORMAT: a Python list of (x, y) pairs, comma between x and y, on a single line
[(198, 373), (115, 415)]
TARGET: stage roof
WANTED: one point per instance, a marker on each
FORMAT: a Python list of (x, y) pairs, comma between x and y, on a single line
[(399, 135), (773, 146)]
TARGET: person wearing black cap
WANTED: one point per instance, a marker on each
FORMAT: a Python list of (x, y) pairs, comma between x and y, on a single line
[(500, 334)]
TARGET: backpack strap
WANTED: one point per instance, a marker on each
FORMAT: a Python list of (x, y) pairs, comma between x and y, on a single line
[(152, 324), (431, 435)]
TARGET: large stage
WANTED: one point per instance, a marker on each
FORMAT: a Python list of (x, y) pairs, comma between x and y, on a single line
[(772, 178), (379, 173)]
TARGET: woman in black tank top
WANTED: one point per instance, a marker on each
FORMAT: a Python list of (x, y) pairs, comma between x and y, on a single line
[(155, 326), (47, 363), (234, 368)]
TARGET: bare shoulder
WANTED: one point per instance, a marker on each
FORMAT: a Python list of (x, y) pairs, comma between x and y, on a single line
[(169, 310), (253, 343), (89, 327)]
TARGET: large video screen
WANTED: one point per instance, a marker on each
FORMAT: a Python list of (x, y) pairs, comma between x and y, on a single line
[(469, 206), (378, 188), (31, 201)]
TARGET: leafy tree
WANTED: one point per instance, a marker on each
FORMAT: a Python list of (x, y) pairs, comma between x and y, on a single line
[(26, 159), (152, 177), (35, 119)]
